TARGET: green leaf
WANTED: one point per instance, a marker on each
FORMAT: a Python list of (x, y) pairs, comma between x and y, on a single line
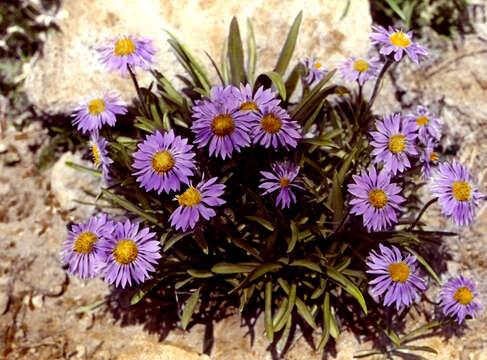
[(418, 348), (294, 237), (268, 311), (235, 54), (278, 83), (394, 6), (336, 204), (257, 273), (281, 321), (265, 223), (347, 285), (289, 45), (82, 168), (365, 353), (326, 322), (252, 53), (229, 268), (146, 288), (189, 308), (303, 310), (307, 264), (174, 239), (391, 334), (293, 79), (320, 142), (422, 330), (307, 99), (200, 274), (425, 264)]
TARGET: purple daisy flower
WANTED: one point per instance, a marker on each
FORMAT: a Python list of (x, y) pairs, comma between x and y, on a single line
[(376, 198), (428, 157), (398, 278), (127, 50), (163, 161), (457, 298), (223, 95), (359, 69), (426, 123), (221, 124), (247, 101), (197, 201), (396, 41), (93, 114), (393, 142), (82, 248), (129, 254), (272, 126), (283, 179), (315, 71), (456, 194), (100, 155)]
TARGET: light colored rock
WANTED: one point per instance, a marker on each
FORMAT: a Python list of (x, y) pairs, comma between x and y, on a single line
[(147, 350), (69, 185), (69, 69), (38, 301), (4, 299)]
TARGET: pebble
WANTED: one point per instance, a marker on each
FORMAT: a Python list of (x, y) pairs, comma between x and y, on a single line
[(4, 300), (38, 301)]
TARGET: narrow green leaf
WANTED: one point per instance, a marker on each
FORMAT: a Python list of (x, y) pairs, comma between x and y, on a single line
[(347, 285), (320, 142), (146, 288), (280, 313), (316, 89), (425, 264), (326, 322), (336, 204), (181, 283), (312, 118), (229, 268), (285, 336), (422, 330), (293, 79), (257, 273), (82, 168), (319, 290), (334, 330), (265, 223), (418, 348), (395, 7), (278, 83), (200, 274), (391, 334), (235, 54), (280, 322), (294, 237), (90, 307), (289, 45), (303, 310), (366, 353), (252, 53), (268, 311), (307, 264), (201, 242), (174, 239), (189, 308)]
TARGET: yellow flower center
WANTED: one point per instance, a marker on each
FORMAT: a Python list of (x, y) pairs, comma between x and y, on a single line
[(125, 251), (124, 47), (249, 105), (463, 296), (400, 39), (378, 198), (222, 125), (433, 156), (284, 182), (461, 190), (190, 197), (96, 106), (422, 120), (84, 243), (399, 272), (162, 162), (397, 143), (318, 65), (271, 123), (96, 154), (361, 65)]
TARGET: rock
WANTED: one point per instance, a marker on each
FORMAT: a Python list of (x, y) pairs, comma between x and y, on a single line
[(38, 301), (147, 350), (69, 185), (69, 69), (4, 300)]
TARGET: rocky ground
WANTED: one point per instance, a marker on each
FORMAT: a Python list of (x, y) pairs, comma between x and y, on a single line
[(44, 314)]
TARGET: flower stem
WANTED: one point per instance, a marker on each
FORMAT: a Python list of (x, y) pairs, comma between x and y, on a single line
[(379, 80), (428, 204), (139, 93)]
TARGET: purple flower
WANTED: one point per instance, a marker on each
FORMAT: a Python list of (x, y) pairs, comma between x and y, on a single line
[(457, 298), (398, 42), (398, 278), (163, 161), (428, 157), (272, 126), (100, 155), (456, 194), (129, 254), (315, 71), (82, 247), (359, 69), (376, 198), (283, 179), (426, 123), (127, 50), (393, 142), (247, 101), (93, 114), (197, 201), (220, 123)]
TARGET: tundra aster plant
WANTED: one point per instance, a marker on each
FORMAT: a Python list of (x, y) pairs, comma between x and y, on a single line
[(242, 192)]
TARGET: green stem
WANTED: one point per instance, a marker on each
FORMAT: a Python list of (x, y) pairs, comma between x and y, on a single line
[(139, 93), (428, 204), (379, 80)]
